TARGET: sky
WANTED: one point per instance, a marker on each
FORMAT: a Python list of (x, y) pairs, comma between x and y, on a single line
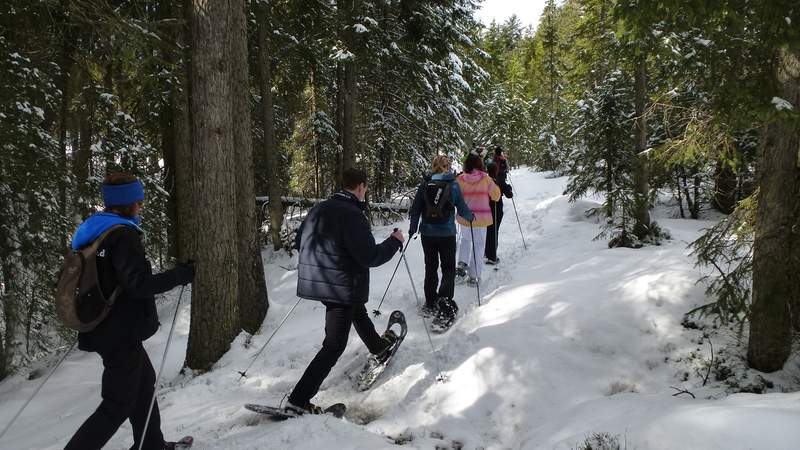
[(527, 10)]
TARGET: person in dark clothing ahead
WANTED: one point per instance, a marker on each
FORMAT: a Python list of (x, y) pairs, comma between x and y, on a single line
[(128, 375), (336, 251)]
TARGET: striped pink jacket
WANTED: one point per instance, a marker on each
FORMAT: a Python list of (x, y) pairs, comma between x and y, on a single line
[(477, 188)]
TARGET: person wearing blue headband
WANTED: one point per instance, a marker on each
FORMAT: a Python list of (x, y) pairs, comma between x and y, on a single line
[(128, 375)]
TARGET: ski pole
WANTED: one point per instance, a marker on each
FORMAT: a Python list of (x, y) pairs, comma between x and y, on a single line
[(475, 261), (244, 372), (377, 311), (519, 224), (38, 388), (517, 215), (161, 368), (496, 229), (441, 377)]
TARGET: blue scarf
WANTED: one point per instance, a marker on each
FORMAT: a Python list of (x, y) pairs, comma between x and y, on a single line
[(98, 224)]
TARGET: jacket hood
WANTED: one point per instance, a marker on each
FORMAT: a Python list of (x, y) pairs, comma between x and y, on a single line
[(98, 224), (449, 176), (473, 177)]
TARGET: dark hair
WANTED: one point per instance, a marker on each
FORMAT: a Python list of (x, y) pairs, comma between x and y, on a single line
[(116, 178), (498, 150), (491, 169), (473, 162), (351, 178)]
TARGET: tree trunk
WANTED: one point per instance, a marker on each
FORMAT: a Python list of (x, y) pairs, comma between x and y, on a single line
[(81, 159), (776, 272), (215, 291), (270, 148), (348, 86), (725, 183), (185, 228), (252, 287), (641, 175), (67, 61)]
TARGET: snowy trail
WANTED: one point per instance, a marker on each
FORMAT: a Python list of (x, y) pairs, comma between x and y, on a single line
[(571, 338)]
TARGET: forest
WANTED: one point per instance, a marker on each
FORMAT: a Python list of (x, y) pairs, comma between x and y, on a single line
[(212, 104)]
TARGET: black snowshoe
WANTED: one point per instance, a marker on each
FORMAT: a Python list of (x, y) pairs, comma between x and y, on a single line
[(376, 364), (185, 443), (461, 272), (291, 411), (448, 311)]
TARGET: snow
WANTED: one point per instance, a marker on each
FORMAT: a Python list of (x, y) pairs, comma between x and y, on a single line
[(782, 104), (359, 28), (571, 338)]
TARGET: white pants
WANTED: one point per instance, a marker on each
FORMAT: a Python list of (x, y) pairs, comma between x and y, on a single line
[(465, 248)]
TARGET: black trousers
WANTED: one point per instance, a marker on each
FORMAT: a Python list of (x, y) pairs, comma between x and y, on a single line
[(128, 384), (492, 232), (436, 249), (338, 318)]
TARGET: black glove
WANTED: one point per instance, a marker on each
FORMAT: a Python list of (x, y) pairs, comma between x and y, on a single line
[(184, 273)]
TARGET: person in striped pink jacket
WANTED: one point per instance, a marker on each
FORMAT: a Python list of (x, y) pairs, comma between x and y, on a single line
[(477, 187)]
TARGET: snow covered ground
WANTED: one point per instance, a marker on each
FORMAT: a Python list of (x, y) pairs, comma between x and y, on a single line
[(572, 339)]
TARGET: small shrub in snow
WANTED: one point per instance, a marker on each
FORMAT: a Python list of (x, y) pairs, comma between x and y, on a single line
[(601, 441)]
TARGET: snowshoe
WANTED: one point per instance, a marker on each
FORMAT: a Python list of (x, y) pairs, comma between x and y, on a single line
[(461, 269), (185, 443), (291, 411), (428, 311), (376, 364), (448, 311)]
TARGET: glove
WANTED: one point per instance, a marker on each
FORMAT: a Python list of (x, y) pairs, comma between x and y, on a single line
[(184, 273)]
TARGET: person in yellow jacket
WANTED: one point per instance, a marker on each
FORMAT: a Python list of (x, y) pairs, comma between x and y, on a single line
[(477, 187)]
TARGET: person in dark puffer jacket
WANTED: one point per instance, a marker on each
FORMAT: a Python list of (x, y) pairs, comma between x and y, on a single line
[(336, 251), (128, 375)]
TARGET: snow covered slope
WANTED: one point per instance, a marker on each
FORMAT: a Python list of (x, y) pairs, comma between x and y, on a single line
[(572, 338)]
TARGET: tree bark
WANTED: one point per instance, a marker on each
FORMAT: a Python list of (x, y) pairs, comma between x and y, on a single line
[(185, 228), (67, 62), (777, 235), (349, 85), (80, 162), (252, 287), (725, 184), (641, 175), (215, 292), (270, 147)]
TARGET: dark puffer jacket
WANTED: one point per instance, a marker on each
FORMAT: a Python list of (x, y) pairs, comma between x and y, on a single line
[(121, 260), (336, 251)]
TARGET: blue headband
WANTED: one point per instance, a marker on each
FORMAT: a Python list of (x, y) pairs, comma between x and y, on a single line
[(123, 194)]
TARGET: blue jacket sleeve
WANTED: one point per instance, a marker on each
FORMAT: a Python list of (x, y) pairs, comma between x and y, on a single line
[(415, 211), (360, 244), (461, 205)]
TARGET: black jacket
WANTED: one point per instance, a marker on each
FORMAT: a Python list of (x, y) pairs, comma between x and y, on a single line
[(121, 261), (336, 251)]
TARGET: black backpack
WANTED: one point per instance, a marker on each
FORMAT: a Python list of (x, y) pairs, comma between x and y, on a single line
[(438, 204), (80, 303)]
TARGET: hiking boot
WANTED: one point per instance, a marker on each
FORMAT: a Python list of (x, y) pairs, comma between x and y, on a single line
[(492, 262), (391, 337), (472, 281), (310, 408), (428, 311)]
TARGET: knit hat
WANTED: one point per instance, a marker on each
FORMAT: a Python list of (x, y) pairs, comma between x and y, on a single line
[(123, 194)]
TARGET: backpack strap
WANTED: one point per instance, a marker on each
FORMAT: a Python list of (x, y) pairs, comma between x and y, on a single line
[(92, 249)]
